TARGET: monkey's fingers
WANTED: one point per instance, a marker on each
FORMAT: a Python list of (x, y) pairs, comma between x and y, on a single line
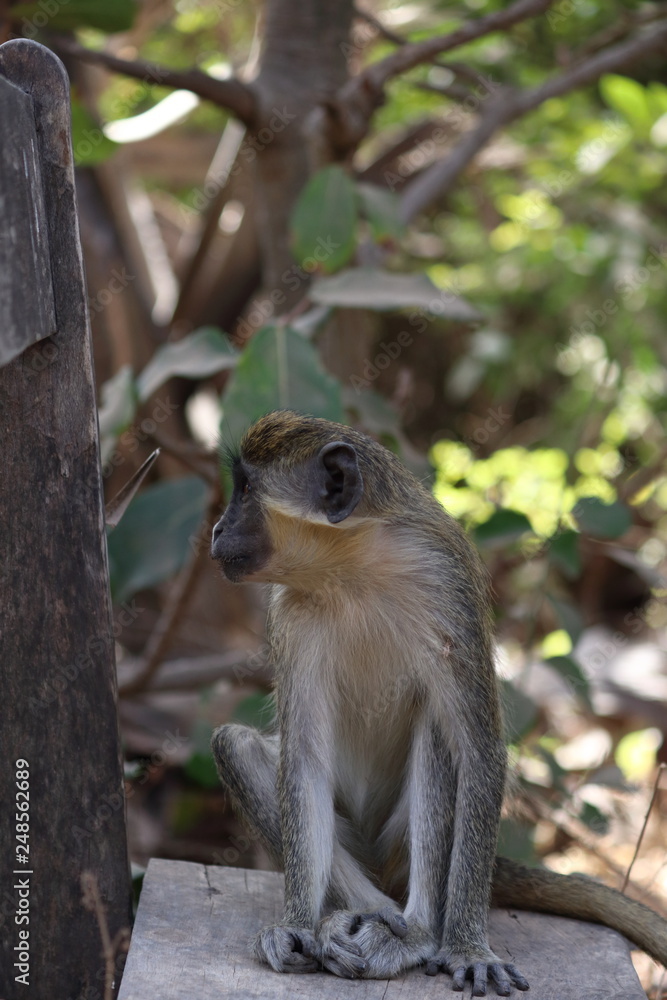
[(342, 960), (387, 915), (337, 951), (287, 949)]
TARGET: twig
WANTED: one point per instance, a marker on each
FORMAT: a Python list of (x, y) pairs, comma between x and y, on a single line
[(626, 23), (199, 459), (92, 900), (178, 601), (643, 829), (232, 94), (576, 830), (504, 107), (414, 53), (381, 29), (643, 476)]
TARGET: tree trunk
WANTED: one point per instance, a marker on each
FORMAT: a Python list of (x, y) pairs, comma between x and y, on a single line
[(302, 65)]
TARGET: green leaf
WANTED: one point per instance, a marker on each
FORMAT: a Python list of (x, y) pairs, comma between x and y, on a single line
[(602, 520), (156, 535), (569, 670), (257, 710), (118, 405), (594, 818), (629, 98), (383, 291), (201, 769), (515, 840), (556, 771), (106, 15), (502, 527), (202, 353), (519, 712), (200, 766), (378, 417), (380, 207), (89, 143), (278, 370), (324, 221), (564, 553), (568, 617)]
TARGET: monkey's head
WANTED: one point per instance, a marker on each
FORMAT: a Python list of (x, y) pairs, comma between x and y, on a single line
[(297, 482)]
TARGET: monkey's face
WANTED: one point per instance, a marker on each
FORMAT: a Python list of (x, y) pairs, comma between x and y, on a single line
[(241, 542), (263, 535)]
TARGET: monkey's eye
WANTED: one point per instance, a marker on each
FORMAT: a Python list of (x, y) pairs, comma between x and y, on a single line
[(247, 489)]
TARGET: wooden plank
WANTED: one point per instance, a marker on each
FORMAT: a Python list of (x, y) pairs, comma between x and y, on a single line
[(56, 646), (195, 923), (27, 310)]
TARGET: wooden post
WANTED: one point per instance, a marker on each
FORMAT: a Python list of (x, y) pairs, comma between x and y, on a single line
[(59, 727)]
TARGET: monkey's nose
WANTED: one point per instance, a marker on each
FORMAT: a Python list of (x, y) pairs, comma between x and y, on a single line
[(217, 531)]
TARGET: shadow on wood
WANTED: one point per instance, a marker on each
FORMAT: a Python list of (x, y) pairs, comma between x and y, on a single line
[(195, 923)]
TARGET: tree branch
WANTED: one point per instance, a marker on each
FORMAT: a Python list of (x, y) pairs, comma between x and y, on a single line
[(375, 22), (414, 53), (504, 107), (232, 94)]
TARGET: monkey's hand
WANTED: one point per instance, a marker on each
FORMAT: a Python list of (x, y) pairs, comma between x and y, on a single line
[(381, 944), (480, 965), (287, 949)]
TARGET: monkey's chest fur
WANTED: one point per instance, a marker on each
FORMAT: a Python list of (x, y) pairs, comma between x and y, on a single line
[(364, 679)]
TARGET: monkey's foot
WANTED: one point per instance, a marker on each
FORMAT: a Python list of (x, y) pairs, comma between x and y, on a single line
[(382, 944), (482, 966), (287, 949)]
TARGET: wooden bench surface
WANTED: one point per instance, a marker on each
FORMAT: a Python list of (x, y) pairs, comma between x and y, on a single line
[(195, 923)]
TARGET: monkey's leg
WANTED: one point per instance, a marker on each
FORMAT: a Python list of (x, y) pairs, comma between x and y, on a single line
[(247, 763), (465, 951)]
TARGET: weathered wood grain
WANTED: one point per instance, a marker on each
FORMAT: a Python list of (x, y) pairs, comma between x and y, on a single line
[(27, 311), (194, 925), (56, 647)]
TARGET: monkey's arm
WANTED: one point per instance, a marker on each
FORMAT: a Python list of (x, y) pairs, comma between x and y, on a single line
[(464, 951), (247, 763)]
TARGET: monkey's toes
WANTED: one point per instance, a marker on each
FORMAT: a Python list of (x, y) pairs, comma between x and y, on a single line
[(501, 976), (287, 949)]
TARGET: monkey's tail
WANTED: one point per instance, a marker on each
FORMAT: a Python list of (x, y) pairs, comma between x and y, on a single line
[(579, 896)]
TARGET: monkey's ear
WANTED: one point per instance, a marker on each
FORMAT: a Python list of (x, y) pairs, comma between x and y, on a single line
[(339, 482)]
